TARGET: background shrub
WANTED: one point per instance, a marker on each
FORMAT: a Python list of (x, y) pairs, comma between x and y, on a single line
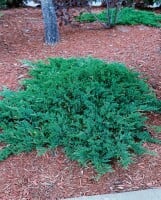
[(93, 109), (10, 3), (2, 4), (126, 16)]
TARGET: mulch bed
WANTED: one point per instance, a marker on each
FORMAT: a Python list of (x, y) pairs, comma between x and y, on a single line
[(53, 176)]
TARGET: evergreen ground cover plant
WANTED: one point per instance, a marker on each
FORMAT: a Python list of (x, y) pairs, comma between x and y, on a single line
[(2, 4), (92, 109), (126, 16)]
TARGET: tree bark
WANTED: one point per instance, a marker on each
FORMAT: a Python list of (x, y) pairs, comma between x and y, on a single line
[(50, 22)]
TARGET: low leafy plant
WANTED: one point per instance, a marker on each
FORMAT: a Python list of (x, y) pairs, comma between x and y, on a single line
[(93, 109), (126, 16)]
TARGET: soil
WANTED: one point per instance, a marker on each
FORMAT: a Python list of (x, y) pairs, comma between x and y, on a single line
[(53, 176)]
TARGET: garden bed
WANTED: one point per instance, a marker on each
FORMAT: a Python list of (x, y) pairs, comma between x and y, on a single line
[(53, 176)]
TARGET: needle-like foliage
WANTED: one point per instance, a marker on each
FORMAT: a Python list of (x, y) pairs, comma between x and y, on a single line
[(126, 16), (93, 109)]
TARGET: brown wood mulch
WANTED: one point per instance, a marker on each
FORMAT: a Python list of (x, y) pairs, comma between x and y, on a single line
[(52, 177)]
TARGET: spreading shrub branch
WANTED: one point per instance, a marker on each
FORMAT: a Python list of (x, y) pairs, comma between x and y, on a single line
[(87, 106)]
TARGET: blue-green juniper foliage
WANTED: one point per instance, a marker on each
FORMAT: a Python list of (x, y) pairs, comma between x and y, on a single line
[(94, 110), (126, 16)]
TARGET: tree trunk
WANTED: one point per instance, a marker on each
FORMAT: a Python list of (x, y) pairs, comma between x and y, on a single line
[(50, 22)]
